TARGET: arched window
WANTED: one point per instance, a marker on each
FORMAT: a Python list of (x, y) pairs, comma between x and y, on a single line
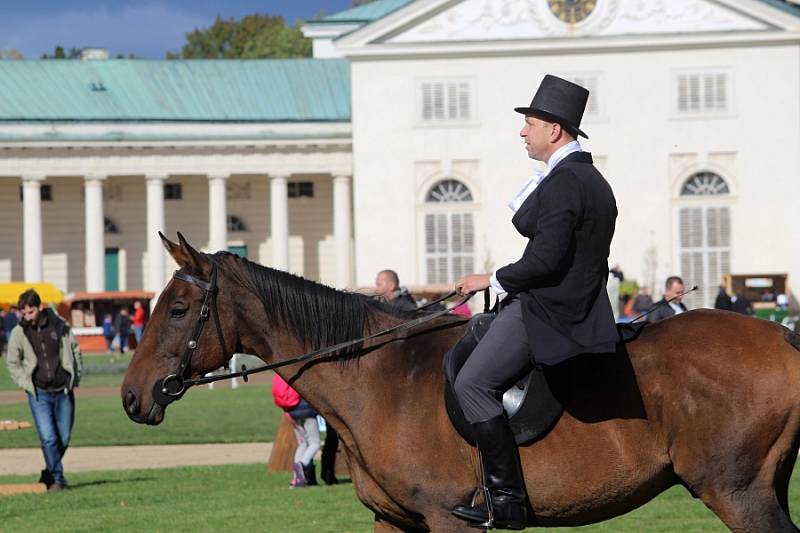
[(449, 232), (109, 226), (236, 224), (704, 236)]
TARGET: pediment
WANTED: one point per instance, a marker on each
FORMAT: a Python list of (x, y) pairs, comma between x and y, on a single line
[(498, 20)]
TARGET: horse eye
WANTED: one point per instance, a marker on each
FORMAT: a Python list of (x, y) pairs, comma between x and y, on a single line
[(177, 312)]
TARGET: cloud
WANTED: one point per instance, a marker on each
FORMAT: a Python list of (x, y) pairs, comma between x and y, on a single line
[(148, 30)]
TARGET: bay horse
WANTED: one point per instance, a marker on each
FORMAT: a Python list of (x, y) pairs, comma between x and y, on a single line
[(707, 399)]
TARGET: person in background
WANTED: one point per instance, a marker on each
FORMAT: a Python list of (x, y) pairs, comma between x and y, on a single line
[(123, 328), (740, 304), (138, 321), (672, 287), (723, 301), (108, 331), (2, 332), (643, 301), (387, 288), (44, 360), (328, 466), (10, 320), (304, 420)]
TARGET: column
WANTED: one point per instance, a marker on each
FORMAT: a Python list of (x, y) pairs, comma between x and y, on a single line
[(217, 213), (95, 234), (279, 217), (342, 230), (155, 223), (32, 226)]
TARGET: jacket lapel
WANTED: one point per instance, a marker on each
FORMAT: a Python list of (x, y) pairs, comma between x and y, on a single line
[(575, 157)]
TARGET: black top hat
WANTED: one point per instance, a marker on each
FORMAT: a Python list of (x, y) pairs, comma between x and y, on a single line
[(559, 101)]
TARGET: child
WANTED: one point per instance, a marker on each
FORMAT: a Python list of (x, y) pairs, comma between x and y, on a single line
[(304, 419)]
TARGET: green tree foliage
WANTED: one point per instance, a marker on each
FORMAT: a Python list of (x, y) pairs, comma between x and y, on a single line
[(255, 36), (59, 53), (10, 53)]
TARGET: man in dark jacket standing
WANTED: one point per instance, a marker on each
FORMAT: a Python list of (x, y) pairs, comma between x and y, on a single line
[(44, 360), (670, 304), (557, 305)]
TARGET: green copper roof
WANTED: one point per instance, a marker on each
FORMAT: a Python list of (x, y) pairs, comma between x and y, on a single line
[(369, 12), (783, 5), (272, 90)]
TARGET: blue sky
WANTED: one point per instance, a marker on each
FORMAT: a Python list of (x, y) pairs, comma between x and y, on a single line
[(147, 28)]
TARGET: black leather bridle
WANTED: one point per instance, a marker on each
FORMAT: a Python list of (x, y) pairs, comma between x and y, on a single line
[(172, 387)]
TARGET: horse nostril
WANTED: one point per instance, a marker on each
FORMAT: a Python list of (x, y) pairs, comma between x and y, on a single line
[(131, 404)]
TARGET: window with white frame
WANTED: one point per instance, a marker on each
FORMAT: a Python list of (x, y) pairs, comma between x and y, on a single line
[(704, 236), (445, 100), (449, 232), (591, 83), (703, 92)]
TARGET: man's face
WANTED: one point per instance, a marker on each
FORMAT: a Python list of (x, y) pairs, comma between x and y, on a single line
[(30, 314), (384, 286), (537, 134), (676, 287)]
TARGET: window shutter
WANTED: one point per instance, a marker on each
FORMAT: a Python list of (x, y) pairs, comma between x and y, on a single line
[(722, 91), (430, 234), (694, 92), (427, 101), (463, 101), (706, 92), (452, 101), (445, 100), (683, 93), (438, 101)]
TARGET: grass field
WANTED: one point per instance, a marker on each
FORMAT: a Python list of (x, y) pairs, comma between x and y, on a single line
[(247, 498), (246, 414)]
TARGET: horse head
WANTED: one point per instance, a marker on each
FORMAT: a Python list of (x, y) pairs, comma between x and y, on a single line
[(186, 335)]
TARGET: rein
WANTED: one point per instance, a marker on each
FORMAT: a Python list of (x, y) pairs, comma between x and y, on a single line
[(175, 385)]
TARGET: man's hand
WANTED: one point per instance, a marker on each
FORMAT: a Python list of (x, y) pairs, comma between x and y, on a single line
[(472, 283)]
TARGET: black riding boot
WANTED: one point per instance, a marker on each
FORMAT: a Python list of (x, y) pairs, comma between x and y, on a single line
[(310, 471), (503, 478)]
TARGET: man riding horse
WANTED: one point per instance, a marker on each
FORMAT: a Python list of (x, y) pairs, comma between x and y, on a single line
[(556, 305)]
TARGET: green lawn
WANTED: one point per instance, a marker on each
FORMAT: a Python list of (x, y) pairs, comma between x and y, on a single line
[(247, 498), (246, 414)]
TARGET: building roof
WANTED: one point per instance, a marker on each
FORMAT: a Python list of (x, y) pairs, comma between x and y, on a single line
[(786, 6), (130, 90), (365, 13)]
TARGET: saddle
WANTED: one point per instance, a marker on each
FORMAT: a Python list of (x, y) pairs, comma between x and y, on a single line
[(530, 405)]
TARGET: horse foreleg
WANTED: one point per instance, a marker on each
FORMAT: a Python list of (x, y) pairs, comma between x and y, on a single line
[(754, 510)]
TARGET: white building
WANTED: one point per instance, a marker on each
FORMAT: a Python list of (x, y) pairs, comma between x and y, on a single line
[(694, 119)]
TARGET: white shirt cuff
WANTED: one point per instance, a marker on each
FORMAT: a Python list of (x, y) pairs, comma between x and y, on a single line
[(498, 289)]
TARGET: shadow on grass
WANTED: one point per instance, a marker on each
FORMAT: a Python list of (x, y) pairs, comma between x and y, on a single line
[(97, 482)]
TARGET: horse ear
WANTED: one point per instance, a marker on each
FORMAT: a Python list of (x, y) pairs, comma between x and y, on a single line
[(196, 261)]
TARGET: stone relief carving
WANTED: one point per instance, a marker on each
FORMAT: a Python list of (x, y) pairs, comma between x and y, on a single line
[(532, 19)]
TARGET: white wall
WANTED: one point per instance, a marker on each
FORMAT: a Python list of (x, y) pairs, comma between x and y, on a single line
[(637, 136)]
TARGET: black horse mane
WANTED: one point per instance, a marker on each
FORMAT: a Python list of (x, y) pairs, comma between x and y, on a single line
[(318, 315)]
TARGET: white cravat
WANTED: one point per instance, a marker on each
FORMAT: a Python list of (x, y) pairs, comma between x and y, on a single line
[(528, 189), (539, 175)]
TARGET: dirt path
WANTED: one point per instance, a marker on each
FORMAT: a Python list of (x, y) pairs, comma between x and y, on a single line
[(25, 461)]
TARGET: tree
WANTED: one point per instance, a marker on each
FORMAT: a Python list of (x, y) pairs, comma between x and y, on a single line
[(10, 53), (255, 36), (58, 53)]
